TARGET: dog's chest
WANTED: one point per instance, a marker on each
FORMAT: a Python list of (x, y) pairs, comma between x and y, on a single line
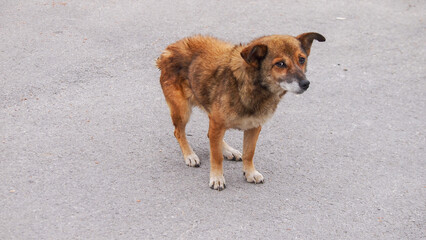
[(244, 123)]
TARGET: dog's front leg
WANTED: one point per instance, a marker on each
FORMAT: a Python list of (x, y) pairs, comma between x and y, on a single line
[(249, 146), (216, 133)]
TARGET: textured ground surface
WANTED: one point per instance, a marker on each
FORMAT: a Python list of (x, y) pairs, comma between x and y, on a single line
[(87, 148)]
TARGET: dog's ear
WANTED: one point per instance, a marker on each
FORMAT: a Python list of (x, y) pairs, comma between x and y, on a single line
[(307, 38), (254, 54)]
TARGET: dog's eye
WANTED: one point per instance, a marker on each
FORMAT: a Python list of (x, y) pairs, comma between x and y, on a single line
[(301, 60), (281, 64)]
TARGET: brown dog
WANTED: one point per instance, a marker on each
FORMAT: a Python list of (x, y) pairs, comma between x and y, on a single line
[(238, 86)]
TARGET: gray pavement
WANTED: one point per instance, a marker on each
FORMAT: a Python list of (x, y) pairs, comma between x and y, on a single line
[(86, 142)]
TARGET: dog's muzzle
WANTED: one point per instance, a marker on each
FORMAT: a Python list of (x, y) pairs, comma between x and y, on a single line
[(295, 86)]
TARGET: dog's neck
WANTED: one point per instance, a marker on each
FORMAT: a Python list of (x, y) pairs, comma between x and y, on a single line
[(253, 95)]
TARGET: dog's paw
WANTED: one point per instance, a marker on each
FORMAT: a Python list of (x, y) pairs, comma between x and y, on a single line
[(254, 177), (232, 154), (217, 182), (192, 160)]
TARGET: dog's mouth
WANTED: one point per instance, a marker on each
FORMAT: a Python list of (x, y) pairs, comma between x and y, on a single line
[(295, 86)]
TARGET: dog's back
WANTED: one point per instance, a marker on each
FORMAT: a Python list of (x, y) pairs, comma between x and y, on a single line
[(178, 57), (190, 65)]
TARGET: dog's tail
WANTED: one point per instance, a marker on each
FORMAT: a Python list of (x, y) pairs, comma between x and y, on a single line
[(177, 58), (166, 54)]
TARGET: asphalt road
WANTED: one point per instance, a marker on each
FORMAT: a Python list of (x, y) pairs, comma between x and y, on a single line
[(87, 146)]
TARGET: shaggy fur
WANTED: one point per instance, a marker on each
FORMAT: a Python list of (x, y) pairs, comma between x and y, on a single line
[(238, 86)]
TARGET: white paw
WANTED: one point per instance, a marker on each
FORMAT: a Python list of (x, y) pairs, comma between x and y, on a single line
[(192, 160), (254, 177), (217, 182), (231, 154)]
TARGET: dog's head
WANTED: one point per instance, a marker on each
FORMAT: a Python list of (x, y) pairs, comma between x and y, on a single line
[(281, 60)]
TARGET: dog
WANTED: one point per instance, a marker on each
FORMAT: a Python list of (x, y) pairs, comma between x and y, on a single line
[(238, 86)]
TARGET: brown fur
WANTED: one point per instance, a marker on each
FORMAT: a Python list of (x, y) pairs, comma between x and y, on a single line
[(238, 86)]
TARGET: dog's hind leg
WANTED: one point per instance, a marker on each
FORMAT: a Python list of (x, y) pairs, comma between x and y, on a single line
[(230, 153), (180, 111)]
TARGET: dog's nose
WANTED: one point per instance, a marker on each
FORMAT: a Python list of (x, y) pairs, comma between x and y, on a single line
[(304, 84)]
